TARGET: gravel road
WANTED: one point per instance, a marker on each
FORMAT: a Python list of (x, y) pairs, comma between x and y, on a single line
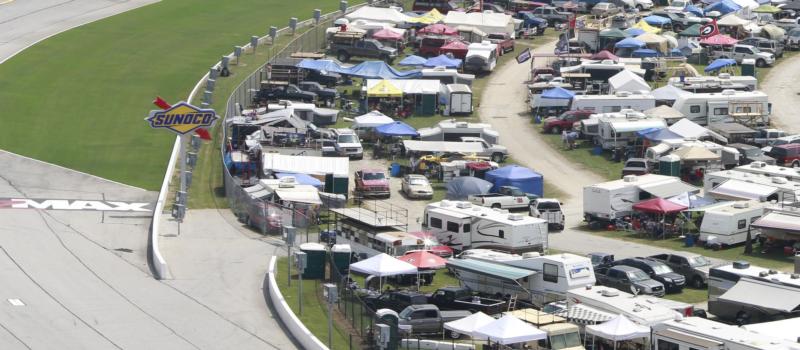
[(782, 88)]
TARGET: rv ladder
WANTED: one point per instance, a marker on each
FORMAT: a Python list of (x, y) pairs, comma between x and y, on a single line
[(512, 303)]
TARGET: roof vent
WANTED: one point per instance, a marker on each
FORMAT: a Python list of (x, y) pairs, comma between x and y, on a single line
[(794, 276), (729, 92), (529, 255), (763, 274), (623, 94), (609, 293), (629, 178), (724, 75), (741, 265), (757, 164), (463, 205), (515, 217), (773, 272), (779, 180), (741, 205), (445, 204)]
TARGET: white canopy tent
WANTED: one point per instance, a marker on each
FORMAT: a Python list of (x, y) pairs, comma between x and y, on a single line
[(371, 120), (689, 129), (409, 86), (626, 80), (618, 329), (378, 14), (485, 21), (732, 20), (383, 265), (469, 324), (669, 93), (509, 330), (280, 163)]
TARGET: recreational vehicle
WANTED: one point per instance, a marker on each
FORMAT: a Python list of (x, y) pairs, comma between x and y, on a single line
[(447, 76), (613, 103), (738, 185), (644, 311), (617, 129), (722, 81), (729, 156), (306, 111), (461, 225), (481, 57), (728, 224), (762, 168), (535, 94), (751, 108), (535, 279), (605, 202), (695, 333), (739, 292), (452, 130)]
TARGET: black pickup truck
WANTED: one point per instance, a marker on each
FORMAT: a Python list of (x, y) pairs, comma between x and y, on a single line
[(346, 45), (284, 92), (460, 298), (395, 300)]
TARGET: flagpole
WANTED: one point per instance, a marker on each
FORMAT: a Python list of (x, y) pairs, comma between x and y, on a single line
[(184, 140)]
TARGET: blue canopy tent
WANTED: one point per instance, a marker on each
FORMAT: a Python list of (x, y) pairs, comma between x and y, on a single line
[(645, 53), (397, 128), (694, 10), (442, 61), (558, 93), (658, 134), (629, 43), (657, 20), (719, 63), (676, 53), (303, 179), (523, 178), (369, 69), (724, 7), (634, 31), (412, 60), (462, 187)]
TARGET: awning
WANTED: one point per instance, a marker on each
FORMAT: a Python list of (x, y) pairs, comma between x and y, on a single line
[(736, 189), (304, 196), (785, 224), (763, 295), (668, 189), (487, 268), (580, 313)]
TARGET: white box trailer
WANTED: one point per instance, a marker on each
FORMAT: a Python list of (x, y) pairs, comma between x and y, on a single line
[(728, 224), (641, 310), (611, 200), (481, 57), (744, 107), (461, 225), (453, 130), (456, 98), (695, 333), (613, 103)]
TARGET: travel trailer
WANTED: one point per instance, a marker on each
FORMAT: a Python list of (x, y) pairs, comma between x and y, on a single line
[(452, 130), (738, 185), (728, 224), (644, 311), (791, 174), (447, 76), (736, 293), (729, 156), (605, 202), (481, 57), (461, 226), (722, 81), (616, 129), (305, 111), (695, 333), (751, 108), (532, 278), (599, 70), (613, 103)]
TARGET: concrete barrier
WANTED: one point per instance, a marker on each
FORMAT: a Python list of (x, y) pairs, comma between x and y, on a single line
[(299, 332)]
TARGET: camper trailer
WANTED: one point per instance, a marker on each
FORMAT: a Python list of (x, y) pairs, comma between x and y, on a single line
[(452, 130), (447, 76), (729, 156), (750, 108), (481, 57), (608, 201), (738, 185), (736, 293), (695, 333), (456, 98), (728, 224), (461, 225), (617, 129), (613, 103), (641, 310), (791, 174), (532, 278), (720, 82)]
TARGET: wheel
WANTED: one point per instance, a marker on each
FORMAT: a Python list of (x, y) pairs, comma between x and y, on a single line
[(761, 63), (497, 157), (640, 7), (455, 335), (556, 130), (496, 206), (343, 56), (697, 282), (795, 164), (512, 48)]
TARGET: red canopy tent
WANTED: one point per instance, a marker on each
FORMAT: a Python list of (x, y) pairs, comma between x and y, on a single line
[(719, 39), (659, 206), (457, 48), (605, 55), (424, 260), (387, 34), (438, 28)]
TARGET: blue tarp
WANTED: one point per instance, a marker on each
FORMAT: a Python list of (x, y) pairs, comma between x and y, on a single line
[(629, 43), (658, 134), (558, 93), (523, 178), (442, 61), (657, 20), (397, 128), (369, 69), (723, 7), (303, 179), (634, 31), (676, 53), (462, 187), (695, 10), (412, 60), (719, 63), (645, 53)]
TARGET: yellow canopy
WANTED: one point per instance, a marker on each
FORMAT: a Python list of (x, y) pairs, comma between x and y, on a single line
[(646, 27), (384, 89), (431, 17)]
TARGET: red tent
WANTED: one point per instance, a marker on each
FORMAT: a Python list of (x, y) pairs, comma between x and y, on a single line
[(387, 34), (658, 206), (457, 48), (424, 260), (719, 39), (438, 28), (605, 55)]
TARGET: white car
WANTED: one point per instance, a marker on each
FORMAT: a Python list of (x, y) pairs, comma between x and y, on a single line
[(677, 6), (416, 186), (639, 4)]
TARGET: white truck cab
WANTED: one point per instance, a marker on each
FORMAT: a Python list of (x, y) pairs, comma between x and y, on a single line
[(548, 209), (347, 143)]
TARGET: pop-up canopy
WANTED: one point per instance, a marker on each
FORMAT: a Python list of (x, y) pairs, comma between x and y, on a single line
[(383, 265), (618, 329), (658, 206), (469, 324), (509, 330), (397, 128)]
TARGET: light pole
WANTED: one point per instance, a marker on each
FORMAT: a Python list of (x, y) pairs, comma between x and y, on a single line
[(301, 259)]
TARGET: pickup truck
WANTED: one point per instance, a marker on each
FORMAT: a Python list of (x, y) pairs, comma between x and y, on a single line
[(531, 25), (428, 319), (369, 48), (496, 152), (395, 300), (468, 145), (681, 20), (548, 209), (323, 93), (765, 137), (552, 15), (507, 197), (765, 45), (635, 166), (505, 42), (371, 183), (742, 52), (565, 121), (627, 278), (694, 267), (461, 298), (284, 92)]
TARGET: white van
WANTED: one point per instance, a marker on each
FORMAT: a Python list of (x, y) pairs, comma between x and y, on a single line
[(728, 224), (347, 143)]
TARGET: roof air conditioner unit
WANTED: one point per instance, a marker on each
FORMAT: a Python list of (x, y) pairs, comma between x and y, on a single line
[(609, 293), (756, 164), (445, 204), (763, 274), (724, 75), (623, 94), (463, 205), (515, 217), (629, 178), (779, 180), (729, 92), (741, 265), (462, 124), (529, 255), (741, 205)]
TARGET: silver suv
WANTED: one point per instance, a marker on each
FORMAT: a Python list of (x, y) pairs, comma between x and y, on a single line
[(347, 143)]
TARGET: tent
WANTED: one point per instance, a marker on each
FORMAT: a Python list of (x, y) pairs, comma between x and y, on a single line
[(558, 93), (463, 186), (659, 134), (387, 34), (691, 200), (774, 32), (382, 265), (626, 80), (669, 93), (645, 53), (695, 154), (397, 128), (439, 29), (523, 178), (664, 112), (429, 17), (509, 330), (469, 324), (613, 33), (412, 60), (618, 329), (634, 31), (692, 31), (384, 89), (629, 43), (694, 10), (654, 20), (424, 260), (485, 21), (723, 7), (719, 63), (646, 27), (719, 39), (605, 55), (690, 129), (732, 20), (442, 61), (767, 9), (456, 47), (303, 179), (658, 206), (654, 41), (378, 14), (369, 69), (371, 120)]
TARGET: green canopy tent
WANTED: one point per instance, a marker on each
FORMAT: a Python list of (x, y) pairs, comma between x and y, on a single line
[(691, 31), (609, 37), (767, 9)]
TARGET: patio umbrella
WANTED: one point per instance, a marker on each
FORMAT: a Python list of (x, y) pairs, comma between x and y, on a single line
[(424, 260), (463, 186), (719, 63), (397, 129), (719, 39), (658, 206)]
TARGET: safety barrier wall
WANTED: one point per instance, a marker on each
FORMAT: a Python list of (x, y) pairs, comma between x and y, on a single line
[(296, 327)]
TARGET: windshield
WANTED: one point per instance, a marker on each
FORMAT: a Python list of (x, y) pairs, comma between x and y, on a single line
[(517, 192), (779, 142), (347, 139), (404, 314), (698, 261), (756, 49), (661, 269), (637, 276), (374, 176), (549, 206), (418, 181), (635, 165), (753, 152)]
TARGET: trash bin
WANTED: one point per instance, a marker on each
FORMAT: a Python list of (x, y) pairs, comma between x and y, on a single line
[(597, 150), (317, 256), (395, 170), (689, 241)]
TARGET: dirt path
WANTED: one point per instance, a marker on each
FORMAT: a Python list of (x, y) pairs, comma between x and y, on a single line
[(781, 85)]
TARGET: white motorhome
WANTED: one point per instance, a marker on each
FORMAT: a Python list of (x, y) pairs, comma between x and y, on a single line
[(461, 225), (644, 311), (737, 290), (613, 103), (616, 129), (535, 279), (738, 185), (453, 130), (728, 224), (744, 107), (791, 174), (611, 200), (723, 80), (695, 333), (481, 57), (447, 76), (396, 243)]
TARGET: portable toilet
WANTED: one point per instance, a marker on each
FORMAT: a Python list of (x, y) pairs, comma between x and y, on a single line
[(342, 253), (317, 256), (749, 67), (457, 99), (669, 165)]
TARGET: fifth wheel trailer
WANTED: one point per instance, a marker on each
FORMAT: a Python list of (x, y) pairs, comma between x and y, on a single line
[(608, 201)]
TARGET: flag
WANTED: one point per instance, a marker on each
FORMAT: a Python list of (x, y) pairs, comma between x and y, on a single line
[(161, 103), (524, 56), (709, 30), (203, 133)]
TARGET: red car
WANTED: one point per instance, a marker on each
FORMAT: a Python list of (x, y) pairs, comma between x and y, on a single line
[(372, 183), (565, 121), (786, 155)]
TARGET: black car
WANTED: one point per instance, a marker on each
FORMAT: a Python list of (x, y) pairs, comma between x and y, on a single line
[(329, 79), (323, 93), (291, 92), (749, 154), (658, 271), (395, 300)]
